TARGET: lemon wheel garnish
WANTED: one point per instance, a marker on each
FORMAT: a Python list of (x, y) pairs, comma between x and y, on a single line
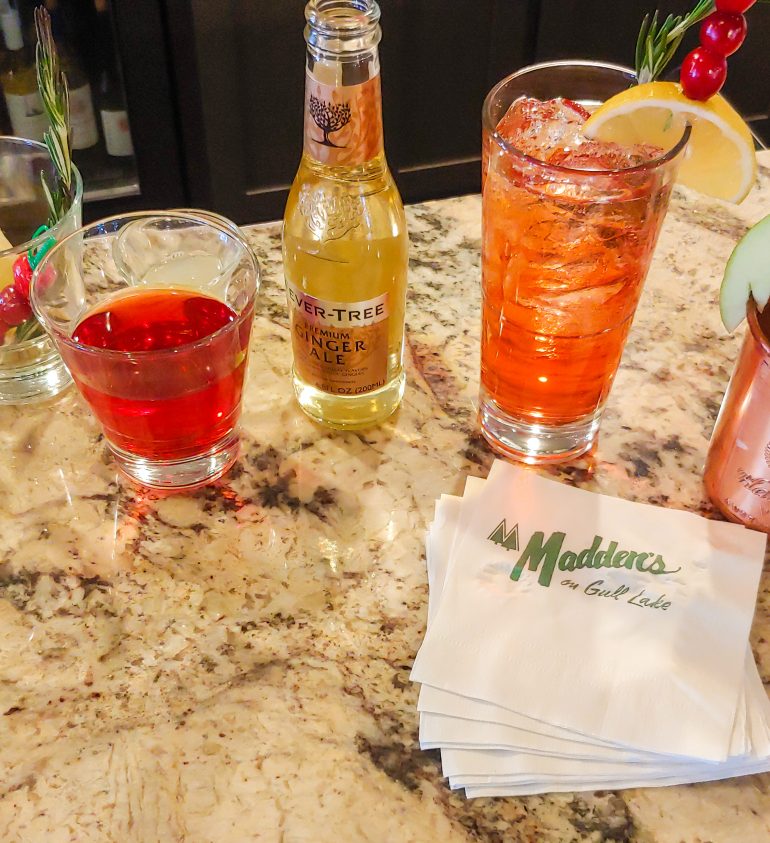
[(720, 159)]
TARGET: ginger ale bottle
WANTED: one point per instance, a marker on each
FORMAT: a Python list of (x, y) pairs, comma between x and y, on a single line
[(344, 236)]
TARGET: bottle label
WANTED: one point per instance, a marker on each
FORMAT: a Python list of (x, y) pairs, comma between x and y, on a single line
[(84, 131), (343, 124), (27, 116), (117, 134), (10, 20), (339, 347)]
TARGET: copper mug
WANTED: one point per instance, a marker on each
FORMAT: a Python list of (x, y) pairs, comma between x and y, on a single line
[(737, 475)]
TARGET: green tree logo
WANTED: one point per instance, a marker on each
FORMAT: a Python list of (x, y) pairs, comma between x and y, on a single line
[(501, 535), (329, 117)]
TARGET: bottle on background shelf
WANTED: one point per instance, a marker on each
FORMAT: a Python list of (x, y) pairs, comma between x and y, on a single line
[(112, 101), (85, 134), (344, 238), (19, 80), (5, 119)]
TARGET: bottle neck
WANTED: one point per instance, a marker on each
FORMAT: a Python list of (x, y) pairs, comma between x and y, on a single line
[(343, 108), (105, 47)]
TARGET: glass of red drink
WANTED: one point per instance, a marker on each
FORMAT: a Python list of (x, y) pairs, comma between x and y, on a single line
[(569, 225), (152, 314)]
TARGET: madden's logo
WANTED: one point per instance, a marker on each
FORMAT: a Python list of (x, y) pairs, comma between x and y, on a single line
[(549, 555)]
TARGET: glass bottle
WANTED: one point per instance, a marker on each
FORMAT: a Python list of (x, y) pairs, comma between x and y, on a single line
[(345, 246), (737, 473), (25, 108), (112, 101), (84, 131), (5, 57)]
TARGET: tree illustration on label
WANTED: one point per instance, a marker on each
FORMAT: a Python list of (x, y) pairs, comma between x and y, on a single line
[(329, 117), (501, 535)]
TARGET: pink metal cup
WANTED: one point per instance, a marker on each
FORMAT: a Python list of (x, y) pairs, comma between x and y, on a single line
[(737, 473)]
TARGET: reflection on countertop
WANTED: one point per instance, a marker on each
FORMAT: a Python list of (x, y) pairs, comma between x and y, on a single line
[(233, 663)]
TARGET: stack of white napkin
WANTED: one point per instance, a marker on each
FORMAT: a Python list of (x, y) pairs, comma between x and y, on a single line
[(579, 642)]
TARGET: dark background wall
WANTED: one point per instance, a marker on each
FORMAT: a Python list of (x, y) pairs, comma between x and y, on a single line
[(215, 89), (439, 58), (247, 59)]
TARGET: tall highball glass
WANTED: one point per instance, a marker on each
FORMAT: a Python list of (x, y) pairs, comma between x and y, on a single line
[(564, 256)]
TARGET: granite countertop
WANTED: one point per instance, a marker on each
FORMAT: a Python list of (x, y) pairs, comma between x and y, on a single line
[(233, 664)]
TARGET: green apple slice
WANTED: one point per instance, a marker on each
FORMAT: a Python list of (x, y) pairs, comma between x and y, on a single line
[(747, 274)]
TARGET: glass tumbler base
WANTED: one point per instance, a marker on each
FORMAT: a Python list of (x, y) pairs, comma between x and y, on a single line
[(31, 371), (183, 474), (532, 443)]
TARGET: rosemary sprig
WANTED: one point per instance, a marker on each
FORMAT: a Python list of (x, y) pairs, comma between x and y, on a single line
[(29, 330), (54, 93), (658, 42)]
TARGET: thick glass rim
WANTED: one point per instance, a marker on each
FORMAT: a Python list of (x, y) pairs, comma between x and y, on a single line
[(36, 242), (752, 314), (491, 128), (341, 29), (342, 17), (209, 220)]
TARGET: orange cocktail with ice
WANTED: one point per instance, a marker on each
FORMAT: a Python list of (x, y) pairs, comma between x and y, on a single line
[(569, 228)]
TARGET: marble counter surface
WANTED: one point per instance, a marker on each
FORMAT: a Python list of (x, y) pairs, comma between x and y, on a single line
[(232, 665)]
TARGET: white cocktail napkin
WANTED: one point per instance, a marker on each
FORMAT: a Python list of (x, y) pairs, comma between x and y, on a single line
[(498, 649)]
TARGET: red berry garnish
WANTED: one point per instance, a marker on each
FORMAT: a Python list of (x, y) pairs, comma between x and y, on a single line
[(14, 308), (22, 275), (703, 73), (737, 6), (723, 32)]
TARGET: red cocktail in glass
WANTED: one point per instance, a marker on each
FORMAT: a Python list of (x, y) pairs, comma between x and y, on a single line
[(152, 315)]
